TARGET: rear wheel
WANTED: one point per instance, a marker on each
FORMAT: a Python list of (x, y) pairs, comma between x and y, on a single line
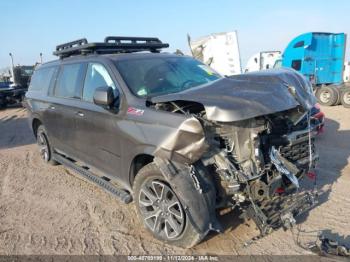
[(160, 209), (327, 95), (345, 98), (338, 94), (44, 145)]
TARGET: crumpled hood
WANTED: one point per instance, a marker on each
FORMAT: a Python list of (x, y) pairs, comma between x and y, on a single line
[(249, 95)]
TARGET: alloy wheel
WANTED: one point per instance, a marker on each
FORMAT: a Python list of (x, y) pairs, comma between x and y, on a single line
[(43, 147), (161, 209)]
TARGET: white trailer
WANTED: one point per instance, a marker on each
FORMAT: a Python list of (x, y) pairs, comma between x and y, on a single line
[(262, 60), (220, 51)]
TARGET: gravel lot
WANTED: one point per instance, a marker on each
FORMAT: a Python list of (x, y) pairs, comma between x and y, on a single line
[(50, 210)]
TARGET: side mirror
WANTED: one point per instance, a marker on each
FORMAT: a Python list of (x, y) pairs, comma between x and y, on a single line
[(104, 96)]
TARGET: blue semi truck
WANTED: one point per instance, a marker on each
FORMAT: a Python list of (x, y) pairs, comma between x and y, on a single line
[(320, 57)]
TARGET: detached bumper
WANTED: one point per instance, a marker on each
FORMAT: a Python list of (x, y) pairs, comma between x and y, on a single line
[(280, 211)]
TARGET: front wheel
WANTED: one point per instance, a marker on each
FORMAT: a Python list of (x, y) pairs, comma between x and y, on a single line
[(161, 211), (345, 98)]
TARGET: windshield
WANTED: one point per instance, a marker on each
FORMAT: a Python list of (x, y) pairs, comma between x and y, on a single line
[(154, 76)]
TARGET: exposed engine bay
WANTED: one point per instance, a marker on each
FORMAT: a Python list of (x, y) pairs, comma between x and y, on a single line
[(256, 163)]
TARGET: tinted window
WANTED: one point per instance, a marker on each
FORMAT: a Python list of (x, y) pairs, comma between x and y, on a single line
[(69, 81), (41, 79), (299, 44), (96, 76), (296, 64), (162, 75)]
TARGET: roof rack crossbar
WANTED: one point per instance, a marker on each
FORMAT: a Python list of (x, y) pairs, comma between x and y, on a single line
[(78, 42), (134, 40), (111, 45)]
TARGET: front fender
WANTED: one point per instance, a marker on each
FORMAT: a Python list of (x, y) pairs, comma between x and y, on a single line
[(196, 190)]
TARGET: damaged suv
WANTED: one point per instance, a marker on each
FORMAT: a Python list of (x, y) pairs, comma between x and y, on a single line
[(174, 136)]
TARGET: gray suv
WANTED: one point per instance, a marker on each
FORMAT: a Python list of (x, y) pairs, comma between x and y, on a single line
[(175, 137)]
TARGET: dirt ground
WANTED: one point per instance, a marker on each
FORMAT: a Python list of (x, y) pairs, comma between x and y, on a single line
[(49, 210)]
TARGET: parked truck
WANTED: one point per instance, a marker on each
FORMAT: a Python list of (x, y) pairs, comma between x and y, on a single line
[(14, 85), (320, 57)]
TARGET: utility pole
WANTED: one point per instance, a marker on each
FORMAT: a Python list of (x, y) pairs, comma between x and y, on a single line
[(12, 67)]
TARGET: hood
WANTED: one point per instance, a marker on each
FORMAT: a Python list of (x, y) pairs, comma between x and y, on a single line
[(248, 95)]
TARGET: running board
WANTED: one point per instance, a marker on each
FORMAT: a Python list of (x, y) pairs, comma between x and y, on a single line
[(122, 195)]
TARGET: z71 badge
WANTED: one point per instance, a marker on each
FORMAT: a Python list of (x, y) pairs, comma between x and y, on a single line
[(135, 111)]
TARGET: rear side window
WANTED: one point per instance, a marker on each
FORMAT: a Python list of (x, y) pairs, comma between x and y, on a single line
[(69, 81), (96, 76), (41, 79)]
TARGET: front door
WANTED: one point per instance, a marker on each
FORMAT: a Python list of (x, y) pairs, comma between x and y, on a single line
[(99, 137)]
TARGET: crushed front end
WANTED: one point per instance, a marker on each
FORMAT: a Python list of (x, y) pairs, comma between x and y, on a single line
[(259, 163), (259, 143)]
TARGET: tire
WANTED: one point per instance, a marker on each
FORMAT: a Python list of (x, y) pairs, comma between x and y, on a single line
[(345, 98), (327, 95), (44, 145), (162, 209), (337, 90)]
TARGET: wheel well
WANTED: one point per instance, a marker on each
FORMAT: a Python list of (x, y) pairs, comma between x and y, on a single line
[(35, 125), (138, 162)]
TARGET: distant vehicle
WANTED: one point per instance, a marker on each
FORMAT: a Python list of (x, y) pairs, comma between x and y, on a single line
[(320, 58), (175, 136), (14, 86), (21, 76), (262, 60), (220, 51)]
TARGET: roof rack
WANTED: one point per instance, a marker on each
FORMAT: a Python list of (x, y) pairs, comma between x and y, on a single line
[(111, 45)]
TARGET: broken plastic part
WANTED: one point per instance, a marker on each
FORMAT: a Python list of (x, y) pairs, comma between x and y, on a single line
[(284, 166), (332, 247)]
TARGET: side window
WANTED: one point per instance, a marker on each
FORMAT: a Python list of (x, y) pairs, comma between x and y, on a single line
[(41, 79), (296, 64), (96, 76), (69, 81), (299, 44)]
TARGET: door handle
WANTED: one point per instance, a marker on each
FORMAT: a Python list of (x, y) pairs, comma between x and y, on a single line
[(80, 114)]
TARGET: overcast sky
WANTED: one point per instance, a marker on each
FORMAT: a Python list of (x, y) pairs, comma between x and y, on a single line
[(33, 26)]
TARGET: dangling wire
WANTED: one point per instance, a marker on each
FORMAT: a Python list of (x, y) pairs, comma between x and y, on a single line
[(310, 148)]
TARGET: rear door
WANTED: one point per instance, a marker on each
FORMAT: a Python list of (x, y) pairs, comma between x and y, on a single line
[(99, 136), (62, 108)]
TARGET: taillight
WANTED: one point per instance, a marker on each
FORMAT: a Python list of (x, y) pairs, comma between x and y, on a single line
[(319, 115), (280, 190), (311, 175)]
